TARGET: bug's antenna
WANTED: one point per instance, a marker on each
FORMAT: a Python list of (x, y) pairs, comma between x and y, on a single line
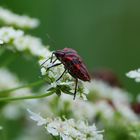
[(53, 42), (57, 64), (51, 58), (44, 62), (50, 40)]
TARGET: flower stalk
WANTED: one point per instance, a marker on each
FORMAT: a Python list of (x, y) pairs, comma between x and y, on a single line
[(5, 99)]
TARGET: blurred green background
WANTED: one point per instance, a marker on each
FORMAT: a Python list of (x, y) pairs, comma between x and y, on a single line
[(105, 33)]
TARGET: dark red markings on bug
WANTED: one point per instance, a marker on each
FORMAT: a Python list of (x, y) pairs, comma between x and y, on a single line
[(78, 70), (73, 64)]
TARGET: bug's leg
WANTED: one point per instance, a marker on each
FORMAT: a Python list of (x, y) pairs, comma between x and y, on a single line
[(61, 75), (76, 83), (54, 61), (57, 64)]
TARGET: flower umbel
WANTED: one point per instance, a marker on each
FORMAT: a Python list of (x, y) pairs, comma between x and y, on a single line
[(16, 40), (68, 129), (12, 19), (37, 118)]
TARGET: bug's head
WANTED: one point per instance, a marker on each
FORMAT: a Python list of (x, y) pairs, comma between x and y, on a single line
[(59, 54)]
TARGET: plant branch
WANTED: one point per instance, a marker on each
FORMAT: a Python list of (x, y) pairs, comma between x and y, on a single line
[(5, 99)]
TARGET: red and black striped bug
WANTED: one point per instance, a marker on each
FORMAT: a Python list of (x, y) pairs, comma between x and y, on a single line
[(72, 63)]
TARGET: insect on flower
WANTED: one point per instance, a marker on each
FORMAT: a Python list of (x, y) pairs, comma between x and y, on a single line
[(73, 64)]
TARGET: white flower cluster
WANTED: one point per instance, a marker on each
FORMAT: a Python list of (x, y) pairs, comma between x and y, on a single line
[(68, 129), (105, 91), (135, 74), (8, 81), (12, 19), (106, 105), (17, 40), (110, 100), (120, 99), (9, 34), (86, 109)]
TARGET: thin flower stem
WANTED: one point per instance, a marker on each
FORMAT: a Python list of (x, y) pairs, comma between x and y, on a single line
[(5, 99), (23, 86)]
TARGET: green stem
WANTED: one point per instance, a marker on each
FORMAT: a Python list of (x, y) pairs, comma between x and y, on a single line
[(23, 86), (5, 99)]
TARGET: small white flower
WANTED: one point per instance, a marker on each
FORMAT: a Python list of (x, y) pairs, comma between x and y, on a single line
[(8, 34), (84, 97), (43, 71), (37, 117), (58, 127), (12, 19), (135, 74)]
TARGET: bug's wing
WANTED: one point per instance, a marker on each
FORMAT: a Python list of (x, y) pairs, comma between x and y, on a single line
[(83, 70), (75, 65), (80, 69)]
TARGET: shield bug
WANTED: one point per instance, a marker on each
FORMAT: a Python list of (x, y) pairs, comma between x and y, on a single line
[(72, 63)]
